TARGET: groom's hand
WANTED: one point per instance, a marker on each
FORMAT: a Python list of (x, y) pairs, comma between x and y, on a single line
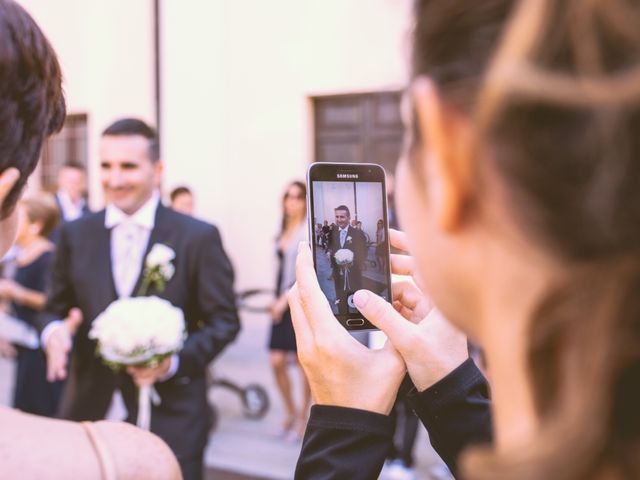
[(149, 375), (59, 344), (341, 371)]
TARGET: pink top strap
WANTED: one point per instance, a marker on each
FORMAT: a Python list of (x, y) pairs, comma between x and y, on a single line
[(105, 461)]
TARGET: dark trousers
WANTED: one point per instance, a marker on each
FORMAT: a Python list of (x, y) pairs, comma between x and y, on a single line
[(192, 466)]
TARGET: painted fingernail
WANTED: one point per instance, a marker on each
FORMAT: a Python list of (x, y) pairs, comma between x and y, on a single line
[(360, 298)]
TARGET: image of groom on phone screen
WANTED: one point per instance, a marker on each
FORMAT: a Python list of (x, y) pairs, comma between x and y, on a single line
[(347, 276)]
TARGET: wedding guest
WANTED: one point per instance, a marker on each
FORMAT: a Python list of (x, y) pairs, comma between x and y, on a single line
[(326, 230), (519, 194), (110, 246), (382, 247), (182, 200), (71, 194), (32, 446), (282, 343), (37, 217)]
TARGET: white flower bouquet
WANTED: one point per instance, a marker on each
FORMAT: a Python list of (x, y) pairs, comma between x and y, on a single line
[(139, 331), (344, 256), (344, 259)]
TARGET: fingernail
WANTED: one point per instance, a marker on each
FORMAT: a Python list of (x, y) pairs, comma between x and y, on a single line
[(360, 298), (12, 174)]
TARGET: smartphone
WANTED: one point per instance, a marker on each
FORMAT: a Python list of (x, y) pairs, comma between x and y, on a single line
[(348, 226)]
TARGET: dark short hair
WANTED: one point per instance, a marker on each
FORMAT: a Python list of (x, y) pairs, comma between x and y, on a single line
[(32, 103), (74, 166), (343, 207), (181, 190), (134, 126)]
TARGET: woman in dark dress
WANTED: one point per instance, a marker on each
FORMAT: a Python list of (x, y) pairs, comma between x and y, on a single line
[(282, 344), (38, 216)]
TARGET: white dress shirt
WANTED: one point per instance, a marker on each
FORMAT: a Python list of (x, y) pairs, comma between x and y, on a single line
[(129, 238), (69, 210), (343, 236)]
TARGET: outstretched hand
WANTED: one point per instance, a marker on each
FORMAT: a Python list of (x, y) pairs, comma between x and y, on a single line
[(340, 370), (429, 345), (59, 345)]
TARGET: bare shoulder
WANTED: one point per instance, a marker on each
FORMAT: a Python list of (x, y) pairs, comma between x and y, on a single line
[(138, 454), (43, 448)]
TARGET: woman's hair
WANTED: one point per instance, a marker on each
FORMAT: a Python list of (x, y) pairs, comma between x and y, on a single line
[(43, 209), (303, 192), (553, 89), (32, 103)]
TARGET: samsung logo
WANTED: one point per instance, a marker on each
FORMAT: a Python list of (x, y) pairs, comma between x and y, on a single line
[(347, 175)]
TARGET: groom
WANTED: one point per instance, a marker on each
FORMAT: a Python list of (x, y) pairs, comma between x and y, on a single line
[(344, 236), (100, 258)]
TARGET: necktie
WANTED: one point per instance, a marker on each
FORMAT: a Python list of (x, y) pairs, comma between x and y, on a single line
[(127, 261), (343, 236)]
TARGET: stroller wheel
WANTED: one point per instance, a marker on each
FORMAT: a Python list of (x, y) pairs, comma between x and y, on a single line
[(215, 417), (255, 401)]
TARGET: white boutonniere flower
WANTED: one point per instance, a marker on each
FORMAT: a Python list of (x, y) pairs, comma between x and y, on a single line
[(348, 239), (158, 268)]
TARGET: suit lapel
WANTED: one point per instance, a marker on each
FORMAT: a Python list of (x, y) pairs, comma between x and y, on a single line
[(103, 268), (159, 234)]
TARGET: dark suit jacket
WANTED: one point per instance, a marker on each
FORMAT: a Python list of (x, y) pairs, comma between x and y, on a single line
[(349, 443), (358, 245), (202, 287), (54, 236)]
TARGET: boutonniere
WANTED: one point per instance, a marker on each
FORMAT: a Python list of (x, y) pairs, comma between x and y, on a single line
[(158, 268), (348, 239)]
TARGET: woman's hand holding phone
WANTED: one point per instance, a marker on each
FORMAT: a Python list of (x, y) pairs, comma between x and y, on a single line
[(429, 345), (341, 371)]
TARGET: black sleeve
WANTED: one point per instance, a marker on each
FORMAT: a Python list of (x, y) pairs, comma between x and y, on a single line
[(344, 443), (216, 304), (455, 412), (61, 295)]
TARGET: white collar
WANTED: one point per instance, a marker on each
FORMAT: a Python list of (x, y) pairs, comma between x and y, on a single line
[(345, 229), (65, 198), (145, 216)]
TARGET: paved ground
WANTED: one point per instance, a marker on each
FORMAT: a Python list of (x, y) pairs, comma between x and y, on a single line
[(241, 448)]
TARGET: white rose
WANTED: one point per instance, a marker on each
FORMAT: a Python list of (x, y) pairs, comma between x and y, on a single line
[(344, 256), (132, 330), (159, 255)]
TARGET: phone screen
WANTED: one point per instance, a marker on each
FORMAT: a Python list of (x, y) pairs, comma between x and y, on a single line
[(348, 219)]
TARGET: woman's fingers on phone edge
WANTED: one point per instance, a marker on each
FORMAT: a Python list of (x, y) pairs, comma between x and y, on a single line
[(402, 265), (398, 239)]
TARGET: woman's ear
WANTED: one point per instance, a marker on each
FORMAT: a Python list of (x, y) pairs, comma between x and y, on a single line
[(446, 154)]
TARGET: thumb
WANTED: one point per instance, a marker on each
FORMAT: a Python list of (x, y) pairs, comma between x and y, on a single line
[(74, 319), (8, 179), (382, 314)]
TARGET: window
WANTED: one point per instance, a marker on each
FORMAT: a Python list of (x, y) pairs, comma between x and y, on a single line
[(358, 128), (67, 146)]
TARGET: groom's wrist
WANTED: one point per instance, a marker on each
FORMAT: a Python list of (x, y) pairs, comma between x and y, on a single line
[(174, 364)]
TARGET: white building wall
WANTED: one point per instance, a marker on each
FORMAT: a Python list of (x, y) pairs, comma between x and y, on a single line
[(106, 52), (237, 78)]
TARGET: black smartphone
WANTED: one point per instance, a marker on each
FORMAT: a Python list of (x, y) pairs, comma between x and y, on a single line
[(348, 228)]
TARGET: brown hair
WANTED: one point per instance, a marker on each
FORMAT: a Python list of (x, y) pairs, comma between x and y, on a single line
[(303, 192), (42, 208), (553, 87), (31, 100)]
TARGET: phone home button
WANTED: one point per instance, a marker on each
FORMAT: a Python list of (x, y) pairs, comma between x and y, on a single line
[(355, 322)]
